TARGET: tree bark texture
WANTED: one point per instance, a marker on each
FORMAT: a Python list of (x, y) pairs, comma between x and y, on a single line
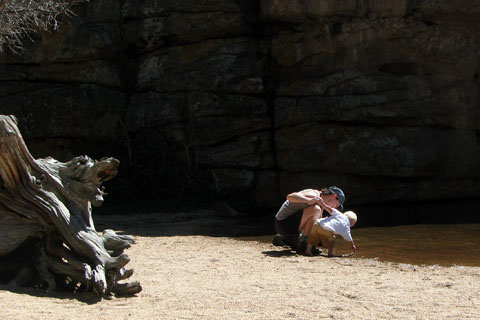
[(47, 234)]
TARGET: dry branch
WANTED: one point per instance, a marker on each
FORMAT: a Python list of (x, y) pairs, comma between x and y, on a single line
[(20, 17), (47, 232)]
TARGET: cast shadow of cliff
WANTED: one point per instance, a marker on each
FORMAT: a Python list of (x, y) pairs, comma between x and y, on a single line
[(215, 222)]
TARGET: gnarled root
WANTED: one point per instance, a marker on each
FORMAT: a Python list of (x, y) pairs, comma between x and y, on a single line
[(47, 228)]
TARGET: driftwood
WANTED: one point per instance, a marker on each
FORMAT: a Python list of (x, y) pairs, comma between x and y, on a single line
[(47, 235)]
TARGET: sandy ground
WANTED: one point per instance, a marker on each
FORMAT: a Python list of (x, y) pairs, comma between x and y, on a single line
[(187, 275)]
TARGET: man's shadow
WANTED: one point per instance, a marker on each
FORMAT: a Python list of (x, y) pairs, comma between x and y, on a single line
[(279, 254)]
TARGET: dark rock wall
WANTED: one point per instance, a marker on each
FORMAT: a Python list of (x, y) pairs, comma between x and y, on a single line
[(248, 100)]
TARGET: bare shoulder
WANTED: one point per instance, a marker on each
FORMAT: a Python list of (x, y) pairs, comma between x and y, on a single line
[(310, 192)]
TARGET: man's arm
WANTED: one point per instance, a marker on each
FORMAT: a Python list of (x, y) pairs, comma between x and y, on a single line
[(329, 209), (308, 196)]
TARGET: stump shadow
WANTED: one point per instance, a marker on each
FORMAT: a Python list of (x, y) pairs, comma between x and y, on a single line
[(85, 297)]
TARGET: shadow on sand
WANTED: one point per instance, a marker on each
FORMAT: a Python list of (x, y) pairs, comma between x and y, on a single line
[(204, 222), (85, 297), (279, 254)]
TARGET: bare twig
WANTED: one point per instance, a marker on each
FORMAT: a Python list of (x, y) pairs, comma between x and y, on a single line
[(18, 18)]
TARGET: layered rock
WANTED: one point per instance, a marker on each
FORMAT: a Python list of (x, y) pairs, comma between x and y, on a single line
[(246, 101)]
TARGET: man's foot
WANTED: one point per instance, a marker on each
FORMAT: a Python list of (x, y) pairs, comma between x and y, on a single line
[(278, 240), (302, 244), (291, 241)]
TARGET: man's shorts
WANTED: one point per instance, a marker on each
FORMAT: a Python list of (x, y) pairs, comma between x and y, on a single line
[(289, 226)]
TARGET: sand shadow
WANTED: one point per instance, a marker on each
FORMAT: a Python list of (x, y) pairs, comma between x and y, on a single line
[(199, 222), (279, 254), (84, 297), (290, 253), (89, 298)]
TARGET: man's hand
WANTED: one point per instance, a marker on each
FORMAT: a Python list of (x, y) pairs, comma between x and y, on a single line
[(320, 201), (314, 201)]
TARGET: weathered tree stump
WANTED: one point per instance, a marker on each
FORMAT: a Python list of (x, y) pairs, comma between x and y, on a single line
[(47, 235)]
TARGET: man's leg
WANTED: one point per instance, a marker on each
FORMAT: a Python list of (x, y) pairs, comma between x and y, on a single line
[(309, 216), (287, 230), (302, 243), (278, 238)]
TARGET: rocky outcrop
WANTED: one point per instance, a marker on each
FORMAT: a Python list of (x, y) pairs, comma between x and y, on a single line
[(246, 101)]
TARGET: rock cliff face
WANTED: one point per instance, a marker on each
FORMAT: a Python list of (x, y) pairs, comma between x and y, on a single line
[(249, 100)]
